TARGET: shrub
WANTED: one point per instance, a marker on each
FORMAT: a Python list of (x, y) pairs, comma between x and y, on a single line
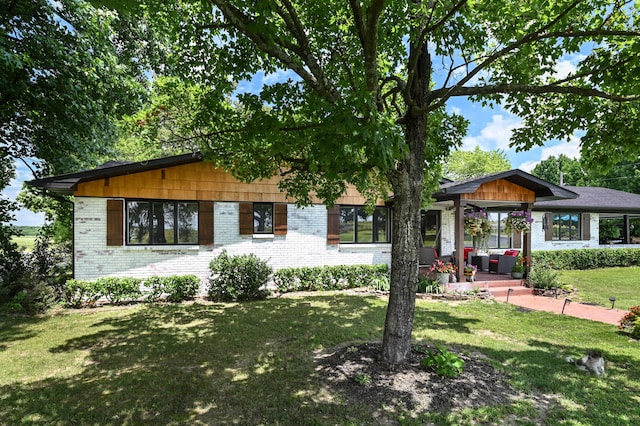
[(323, 278), (444, 362), (176, 288), (631, 322), (428, 285), (119, 289), (237, 278), (542, 275), (79, 293), (588, 258)]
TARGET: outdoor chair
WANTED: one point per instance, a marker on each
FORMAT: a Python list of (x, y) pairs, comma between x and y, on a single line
[(502, 263), (428, 255)]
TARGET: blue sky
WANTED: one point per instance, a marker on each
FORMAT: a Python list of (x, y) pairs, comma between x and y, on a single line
[(490, 129)]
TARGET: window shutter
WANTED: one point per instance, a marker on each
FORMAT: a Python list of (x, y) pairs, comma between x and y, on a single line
[(115, 222), (586, 226), (280, 219), (333, 225), (517, 239), (246, 218), (548, 232), (205, 223)]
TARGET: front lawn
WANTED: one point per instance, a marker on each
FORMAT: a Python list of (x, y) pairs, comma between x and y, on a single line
[(253, 363), (598, 285)]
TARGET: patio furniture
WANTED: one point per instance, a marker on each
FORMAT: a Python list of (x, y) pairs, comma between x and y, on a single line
[(482, 262), (428, 255), (502, 263)]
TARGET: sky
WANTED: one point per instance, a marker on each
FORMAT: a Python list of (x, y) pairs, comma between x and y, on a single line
[(489, 128)]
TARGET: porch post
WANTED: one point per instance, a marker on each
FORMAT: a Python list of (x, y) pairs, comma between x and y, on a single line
[(626, 230), (526, 236), (459, 206)]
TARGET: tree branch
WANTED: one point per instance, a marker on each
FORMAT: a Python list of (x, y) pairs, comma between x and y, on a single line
[(526, 88), (540, 34), (241, 22)]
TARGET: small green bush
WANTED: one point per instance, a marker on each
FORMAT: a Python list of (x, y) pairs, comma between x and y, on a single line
[(543, 276), (428, 285), (444, 362), (324, 278), (176, 288), (631, 322), (120, 289), (79, 293), (238, 278)]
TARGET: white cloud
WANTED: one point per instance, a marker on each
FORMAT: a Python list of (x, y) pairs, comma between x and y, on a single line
[(494, 135), (570, 149)]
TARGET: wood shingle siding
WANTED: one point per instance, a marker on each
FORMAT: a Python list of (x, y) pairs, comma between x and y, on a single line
[(501, 190)]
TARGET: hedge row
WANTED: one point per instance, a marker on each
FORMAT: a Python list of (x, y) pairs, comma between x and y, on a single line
[(587, 258), (330, 277), (79, 293)]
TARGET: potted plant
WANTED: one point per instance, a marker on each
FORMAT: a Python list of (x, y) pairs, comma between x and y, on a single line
[(470, 272), (518, 270), (443, 270)]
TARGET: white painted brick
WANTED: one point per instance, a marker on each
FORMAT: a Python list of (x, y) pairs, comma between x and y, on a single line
[(304, 245)]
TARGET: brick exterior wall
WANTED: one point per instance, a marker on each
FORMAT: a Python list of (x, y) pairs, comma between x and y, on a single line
[(305, 244)]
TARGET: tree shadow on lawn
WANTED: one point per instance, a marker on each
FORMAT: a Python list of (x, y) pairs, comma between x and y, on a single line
[(16, 327), (212, 363)]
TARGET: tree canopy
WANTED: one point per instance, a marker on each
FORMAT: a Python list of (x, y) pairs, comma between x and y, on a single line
[(623, 177), (356, 92), (64, 80), (463, 165)]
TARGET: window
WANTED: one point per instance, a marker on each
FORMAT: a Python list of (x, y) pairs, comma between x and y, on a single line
[(430, 228), (263, 218), (499, 237), (162, 222), (566, 226), (358, 226)]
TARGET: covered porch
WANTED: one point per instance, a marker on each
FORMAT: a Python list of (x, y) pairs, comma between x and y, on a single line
[(496, 196)]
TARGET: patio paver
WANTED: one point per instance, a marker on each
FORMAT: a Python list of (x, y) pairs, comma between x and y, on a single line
[(574, 309)]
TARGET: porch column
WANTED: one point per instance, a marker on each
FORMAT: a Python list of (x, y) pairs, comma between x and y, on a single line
[(526, 236), (459, 206), (626, 231)]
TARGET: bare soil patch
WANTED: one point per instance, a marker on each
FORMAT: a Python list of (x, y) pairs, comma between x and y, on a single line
[(412, 387)]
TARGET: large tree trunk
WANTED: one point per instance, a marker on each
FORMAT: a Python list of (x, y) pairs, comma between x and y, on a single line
[(407, 182)]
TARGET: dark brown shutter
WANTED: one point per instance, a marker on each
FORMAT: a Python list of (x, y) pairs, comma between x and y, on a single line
[(548, 232), (517, 239), (333, 225), (115, 222), (586, 226), (246, 218), (205, 223), (280, 219)]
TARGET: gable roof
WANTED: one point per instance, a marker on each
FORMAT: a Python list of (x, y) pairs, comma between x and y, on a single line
[(543, 190), (594, 199), (67, 183)]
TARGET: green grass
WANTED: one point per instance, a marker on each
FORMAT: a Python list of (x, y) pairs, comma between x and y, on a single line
[(24, 241), (597, 285), (252, 363)]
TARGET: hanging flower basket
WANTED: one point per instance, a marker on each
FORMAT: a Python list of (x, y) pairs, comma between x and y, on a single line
[(518, 221)]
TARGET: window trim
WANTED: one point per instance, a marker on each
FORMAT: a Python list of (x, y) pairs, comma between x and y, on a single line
[(149, 224)]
